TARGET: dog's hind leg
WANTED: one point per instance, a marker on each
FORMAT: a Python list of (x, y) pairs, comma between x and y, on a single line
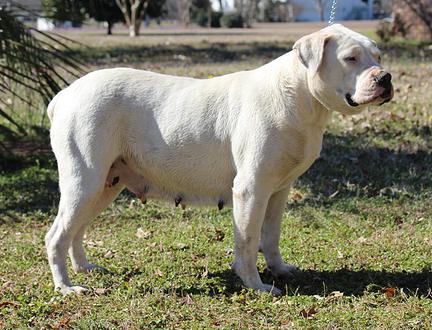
[(270, 235), (77, 254), (80, 193)]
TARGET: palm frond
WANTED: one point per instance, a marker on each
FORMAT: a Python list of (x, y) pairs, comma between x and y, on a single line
[(31, 60)]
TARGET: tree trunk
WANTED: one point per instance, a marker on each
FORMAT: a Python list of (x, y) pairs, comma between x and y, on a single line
[(249, 12), (110, 25), (184, 12), (320, 6), (221, 6), (132, 31), (209, 16), (131, 14)]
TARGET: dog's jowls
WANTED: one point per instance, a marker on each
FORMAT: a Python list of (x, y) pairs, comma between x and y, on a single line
[(239, 139)]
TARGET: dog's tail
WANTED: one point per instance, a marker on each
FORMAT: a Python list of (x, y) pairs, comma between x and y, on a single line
[(51, 107)]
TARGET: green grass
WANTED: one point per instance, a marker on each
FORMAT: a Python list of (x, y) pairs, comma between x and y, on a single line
[(358, 224)]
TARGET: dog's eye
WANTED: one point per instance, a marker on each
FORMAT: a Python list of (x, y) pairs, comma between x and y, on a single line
[(351, 59)]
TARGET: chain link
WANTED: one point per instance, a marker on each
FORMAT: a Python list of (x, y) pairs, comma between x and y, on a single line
[(332, 12)]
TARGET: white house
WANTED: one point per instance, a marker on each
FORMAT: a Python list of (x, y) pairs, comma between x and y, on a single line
[(345, 10), (306, 10)]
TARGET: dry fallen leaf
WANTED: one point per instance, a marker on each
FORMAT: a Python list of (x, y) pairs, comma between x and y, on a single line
[(334, 295), (182, 246), (159, 273), (109, 254), (100, 291), (297, 197), (91, 243), (188, 300), (205, 272), (142, 234), (398, 222), (9, 303), (219, 236), (389, 292), (62, 323), (361, 240), (308, 313)]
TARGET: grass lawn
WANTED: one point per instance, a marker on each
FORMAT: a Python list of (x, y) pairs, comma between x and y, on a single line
[(358, 224)]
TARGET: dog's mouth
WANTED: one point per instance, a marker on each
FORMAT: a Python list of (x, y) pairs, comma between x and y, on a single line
[(350, 101), (380, 99)]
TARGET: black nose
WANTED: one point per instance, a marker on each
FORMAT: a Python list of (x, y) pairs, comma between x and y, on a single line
[(383, 79)]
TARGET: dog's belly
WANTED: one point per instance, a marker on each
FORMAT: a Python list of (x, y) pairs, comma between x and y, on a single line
[(198, 174)]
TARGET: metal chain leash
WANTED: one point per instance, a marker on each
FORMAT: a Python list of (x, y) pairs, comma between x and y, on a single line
[(332, 12)]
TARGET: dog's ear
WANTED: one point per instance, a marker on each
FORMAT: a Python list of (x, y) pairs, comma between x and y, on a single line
[(310, 50)]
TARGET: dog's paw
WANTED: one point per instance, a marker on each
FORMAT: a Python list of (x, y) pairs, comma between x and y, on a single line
[(284, 271), (90, 267), (75, 289), (270, 289)]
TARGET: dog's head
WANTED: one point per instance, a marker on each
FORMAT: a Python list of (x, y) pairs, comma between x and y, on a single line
[(343, 69)]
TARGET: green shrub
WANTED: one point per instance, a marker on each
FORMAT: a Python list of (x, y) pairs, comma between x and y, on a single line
[(231, 20), (200, 17)]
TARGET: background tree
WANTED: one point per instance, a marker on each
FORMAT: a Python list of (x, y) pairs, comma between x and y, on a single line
[(421, 15), (135, 10), (65, 10), (247, 10), (412, 19), (320, 6), (104, 11)]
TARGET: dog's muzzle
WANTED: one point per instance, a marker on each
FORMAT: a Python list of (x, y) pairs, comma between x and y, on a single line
[(382, 81)]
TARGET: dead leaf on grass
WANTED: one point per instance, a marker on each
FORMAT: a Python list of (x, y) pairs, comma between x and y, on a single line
[(158, 273), (109, 254), (100, 291), (297, 197), (219, 235), (389, 292), (9, 303), (63, 322), (205, 272), (142, 233), (91, 243), (335, 295), (182, 246), (309, 313), (188, 300), (361, 240), (398, 222)]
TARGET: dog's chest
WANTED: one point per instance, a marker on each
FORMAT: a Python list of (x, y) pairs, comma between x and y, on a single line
[(299, 155)]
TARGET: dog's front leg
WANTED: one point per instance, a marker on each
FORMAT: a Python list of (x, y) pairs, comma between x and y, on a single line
[(249, 205), (270, 235)]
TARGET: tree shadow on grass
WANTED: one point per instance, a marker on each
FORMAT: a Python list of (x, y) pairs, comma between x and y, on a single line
[(350, 166), (350, 282), (196, 54), (212, 52), (28, 184)]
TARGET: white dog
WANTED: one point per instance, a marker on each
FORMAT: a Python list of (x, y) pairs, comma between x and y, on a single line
[(239, 139)]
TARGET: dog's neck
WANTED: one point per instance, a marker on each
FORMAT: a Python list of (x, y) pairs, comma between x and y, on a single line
[(299, 103)]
